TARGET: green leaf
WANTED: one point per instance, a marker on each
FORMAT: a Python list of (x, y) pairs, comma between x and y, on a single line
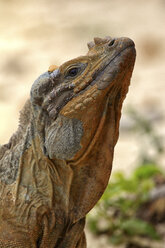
[(93, 225), (116, 239), (138, 227), (146, 171)]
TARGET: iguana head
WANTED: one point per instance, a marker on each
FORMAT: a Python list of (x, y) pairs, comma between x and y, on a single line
[(76, 95), (85, 76)]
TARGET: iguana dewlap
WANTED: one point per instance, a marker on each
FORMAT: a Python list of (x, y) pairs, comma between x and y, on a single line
[(57, 165)]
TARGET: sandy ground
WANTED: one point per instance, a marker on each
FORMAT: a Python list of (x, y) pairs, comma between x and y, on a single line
[(36, 34)]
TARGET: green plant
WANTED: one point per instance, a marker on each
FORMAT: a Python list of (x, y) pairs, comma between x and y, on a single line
[(116, 212)]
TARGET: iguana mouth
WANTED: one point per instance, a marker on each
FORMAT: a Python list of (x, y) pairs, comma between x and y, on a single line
[(106, 73), (109, 73)]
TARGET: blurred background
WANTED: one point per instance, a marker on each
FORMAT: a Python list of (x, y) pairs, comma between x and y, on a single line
[(36, 34)]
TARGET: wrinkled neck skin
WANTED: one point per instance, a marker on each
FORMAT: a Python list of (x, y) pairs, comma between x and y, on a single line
[(67, 152)]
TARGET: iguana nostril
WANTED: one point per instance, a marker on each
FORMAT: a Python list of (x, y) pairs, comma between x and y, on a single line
[(111, 42)]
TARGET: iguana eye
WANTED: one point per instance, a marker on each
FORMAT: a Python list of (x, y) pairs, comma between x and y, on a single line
[(111, 43), (73, 72)]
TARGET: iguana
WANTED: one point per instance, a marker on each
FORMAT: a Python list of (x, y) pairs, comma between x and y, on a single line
[(57, 165)]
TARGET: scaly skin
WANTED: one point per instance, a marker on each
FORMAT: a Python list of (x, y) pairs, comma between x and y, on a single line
[(57, 165)]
